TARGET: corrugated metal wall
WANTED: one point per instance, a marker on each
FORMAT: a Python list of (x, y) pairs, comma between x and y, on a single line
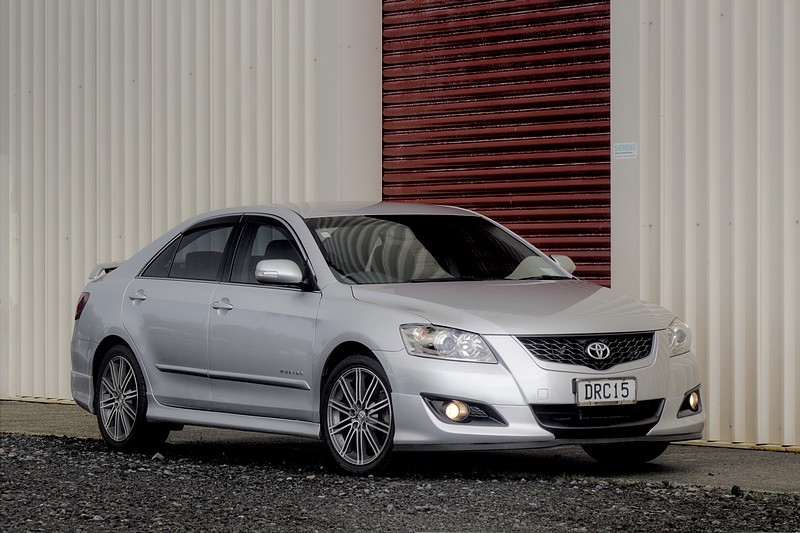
[(707, 219), (120, 119), (503, 106)]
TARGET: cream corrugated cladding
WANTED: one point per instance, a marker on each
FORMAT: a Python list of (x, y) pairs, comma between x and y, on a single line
[(120, 119), (706, 220)]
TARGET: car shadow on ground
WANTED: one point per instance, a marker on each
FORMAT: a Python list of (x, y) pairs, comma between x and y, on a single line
[(565, 461), (299, 454)]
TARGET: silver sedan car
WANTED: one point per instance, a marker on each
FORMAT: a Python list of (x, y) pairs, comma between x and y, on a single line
[(378, 328)]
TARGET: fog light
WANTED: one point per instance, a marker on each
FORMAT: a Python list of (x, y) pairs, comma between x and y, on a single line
[(456, 411), (694, 401)]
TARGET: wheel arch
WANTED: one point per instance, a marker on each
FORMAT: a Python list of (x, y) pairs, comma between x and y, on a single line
[(339, 354), (105, 345)]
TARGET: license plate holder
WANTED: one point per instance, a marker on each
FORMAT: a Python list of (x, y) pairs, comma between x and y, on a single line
[(605, 391)]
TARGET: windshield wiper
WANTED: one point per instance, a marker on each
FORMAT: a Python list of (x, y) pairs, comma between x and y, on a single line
[(457, 278), (544, 277), (431, 280)]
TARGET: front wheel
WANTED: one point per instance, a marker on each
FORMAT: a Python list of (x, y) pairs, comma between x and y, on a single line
[(357, 421), (625, 453), (120, 403)]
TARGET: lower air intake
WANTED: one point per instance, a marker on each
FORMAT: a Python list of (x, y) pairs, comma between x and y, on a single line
[(571, 421)]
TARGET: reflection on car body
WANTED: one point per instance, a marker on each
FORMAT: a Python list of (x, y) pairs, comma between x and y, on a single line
[(375, 328)]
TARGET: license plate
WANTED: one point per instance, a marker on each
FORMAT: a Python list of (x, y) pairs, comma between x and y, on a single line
[(606, 391)]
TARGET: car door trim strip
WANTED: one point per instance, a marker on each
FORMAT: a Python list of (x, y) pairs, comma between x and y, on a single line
[(233, 376)]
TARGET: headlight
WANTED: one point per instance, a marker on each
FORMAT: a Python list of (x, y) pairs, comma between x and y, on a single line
[(446, 343), (679, 337)]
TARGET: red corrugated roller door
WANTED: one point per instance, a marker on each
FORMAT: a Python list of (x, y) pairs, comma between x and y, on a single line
[(503, 106)]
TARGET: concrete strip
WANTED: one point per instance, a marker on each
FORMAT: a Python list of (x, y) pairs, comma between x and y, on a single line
[(751, 470)]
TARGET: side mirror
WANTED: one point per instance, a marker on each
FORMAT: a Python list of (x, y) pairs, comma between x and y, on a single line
[(278, 271), (564, 262)]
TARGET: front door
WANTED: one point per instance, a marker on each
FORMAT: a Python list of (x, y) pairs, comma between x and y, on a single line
[(261, 337)]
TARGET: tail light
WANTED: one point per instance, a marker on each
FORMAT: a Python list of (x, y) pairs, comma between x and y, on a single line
[(82, 300)]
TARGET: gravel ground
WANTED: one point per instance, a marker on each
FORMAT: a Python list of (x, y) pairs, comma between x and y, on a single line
[(66, 484)]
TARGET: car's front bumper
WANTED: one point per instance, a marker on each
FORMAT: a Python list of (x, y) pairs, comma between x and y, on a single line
[(517, 383)]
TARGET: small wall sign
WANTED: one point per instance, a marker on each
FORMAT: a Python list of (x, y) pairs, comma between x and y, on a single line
[(626, 150)]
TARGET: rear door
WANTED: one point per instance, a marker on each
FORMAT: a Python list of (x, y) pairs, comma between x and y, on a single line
[(261, 337), (167, 308)]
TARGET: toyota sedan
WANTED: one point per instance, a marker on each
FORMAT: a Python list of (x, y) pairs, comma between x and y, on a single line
[(378, 328)]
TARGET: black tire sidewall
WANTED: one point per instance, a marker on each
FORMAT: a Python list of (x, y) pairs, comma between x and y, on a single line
[(347, 364), (139, 425)]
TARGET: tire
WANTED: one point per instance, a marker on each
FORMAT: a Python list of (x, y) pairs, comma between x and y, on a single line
[(625, 453), (120, 403), (356, 414)]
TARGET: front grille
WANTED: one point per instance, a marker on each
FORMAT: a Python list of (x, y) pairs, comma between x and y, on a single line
[(571, 350), (570, 421)]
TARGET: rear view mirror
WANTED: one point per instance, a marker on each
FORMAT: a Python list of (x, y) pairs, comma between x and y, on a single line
[(278, 271), (564, 262)]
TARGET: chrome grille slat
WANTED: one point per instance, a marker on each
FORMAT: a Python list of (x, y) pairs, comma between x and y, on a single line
[(571, 349)]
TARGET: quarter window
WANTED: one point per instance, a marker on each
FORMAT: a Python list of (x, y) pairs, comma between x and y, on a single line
[(159, 267)]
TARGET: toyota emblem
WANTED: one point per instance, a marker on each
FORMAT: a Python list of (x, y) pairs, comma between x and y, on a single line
[(598, 350)]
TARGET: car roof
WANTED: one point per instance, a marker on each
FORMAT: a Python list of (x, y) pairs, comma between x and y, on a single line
[(327, 209), (333, 209)]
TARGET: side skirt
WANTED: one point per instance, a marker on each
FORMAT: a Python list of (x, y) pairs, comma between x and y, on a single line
[(192, 417)]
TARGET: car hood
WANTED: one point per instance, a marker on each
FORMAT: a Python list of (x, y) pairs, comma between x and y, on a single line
[(520, 307)]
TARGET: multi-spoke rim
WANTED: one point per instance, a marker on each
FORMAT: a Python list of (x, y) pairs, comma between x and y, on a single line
[(359, 416), (119, 398)]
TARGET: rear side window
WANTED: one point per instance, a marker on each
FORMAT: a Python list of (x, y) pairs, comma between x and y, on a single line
[(200, 253), (195, 255)]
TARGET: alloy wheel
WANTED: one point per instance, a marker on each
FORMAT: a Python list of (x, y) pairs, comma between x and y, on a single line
[(119, 397), (359, 416)]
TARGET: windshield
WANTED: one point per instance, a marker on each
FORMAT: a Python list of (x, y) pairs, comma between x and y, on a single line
[(425, 248)]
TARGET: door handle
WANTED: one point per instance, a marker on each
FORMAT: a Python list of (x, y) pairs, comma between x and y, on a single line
[(137, 296), (222, 305)]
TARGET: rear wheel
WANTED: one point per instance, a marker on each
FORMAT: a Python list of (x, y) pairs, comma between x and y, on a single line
[(625, 453), (357, 421), (120, 403)]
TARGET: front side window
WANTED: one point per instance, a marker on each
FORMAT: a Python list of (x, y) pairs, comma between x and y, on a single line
[(418, 248), (259, 241)]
